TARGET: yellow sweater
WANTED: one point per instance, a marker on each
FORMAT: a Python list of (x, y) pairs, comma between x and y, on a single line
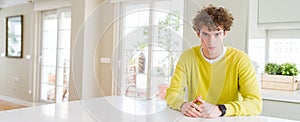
[(230, 81)]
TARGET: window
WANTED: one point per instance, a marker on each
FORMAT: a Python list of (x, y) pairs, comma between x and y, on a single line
[(282, 46), (284, 50), (55, 55), (149, 43)]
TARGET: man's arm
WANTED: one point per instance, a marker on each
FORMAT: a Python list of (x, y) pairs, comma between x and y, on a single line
[(176, 92), (248, 87)]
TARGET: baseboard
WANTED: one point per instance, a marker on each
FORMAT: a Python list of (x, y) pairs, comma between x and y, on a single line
[(16, 100)]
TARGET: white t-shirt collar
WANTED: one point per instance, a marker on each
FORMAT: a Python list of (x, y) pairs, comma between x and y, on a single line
[(211, 61)]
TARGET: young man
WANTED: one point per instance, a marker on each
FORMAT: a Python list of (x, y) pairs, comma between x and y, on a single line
[(220, 80)]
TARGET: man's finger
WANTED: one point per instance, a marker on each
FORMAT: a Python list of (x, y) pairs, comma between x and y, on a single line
[(193, 113), (196, 107), (197, 99)]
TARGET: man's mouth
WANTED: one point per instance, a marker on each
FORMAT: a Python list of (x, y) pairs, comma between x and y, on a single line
[(211, 48)]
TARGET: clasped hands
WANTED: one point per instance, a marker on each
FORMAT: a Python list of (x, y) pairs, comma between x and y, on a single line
[(204, 109)]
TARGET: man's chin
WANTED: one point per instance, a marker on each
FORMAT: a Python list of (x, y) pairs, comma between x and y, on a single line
[(211, 51)]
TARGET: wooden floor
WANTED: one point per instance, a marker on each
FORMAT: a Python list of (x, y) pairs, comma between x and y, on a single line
[(5, 105)]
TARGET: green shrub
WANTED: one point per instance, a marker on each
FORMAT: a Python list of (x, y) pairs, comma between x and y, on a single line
[(272, 68), (288, 69)]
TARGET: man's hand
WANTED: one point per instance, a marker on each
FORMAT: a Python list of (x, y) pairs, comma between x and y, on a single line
[(206, 109), (190, 109)]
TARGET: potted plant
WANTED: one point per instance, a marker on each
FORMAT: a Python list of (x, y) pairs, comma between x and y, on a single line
[(288, 69), (281, 77), (51, 78), (272, 68)]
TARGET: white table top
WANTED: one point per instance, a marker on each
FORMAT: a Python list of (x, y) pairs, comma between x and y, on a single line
[(113, 109)]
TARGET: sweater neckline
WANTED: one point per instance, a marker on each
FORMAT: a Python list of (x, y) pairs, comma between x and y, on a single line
[(211, 61)]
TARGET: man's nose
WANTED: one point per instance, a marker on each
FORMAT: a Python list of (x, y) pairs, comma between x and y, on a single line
[(209, 40)]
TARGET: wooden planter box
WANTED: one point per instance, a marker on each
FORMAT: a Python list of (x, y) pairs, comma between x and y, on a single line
[(279, 82)]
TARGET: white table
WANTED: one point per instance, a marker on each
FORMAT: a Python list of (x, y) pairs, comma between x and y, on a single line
[(113, 109)]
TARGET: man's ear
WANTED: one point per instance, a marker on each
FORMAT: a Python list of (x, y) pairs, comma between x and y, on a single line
[(198, 34), (225, 33)]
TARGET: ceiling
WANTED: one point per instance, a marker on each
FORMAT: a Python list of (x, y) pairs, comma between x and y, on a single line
[(7, 3)]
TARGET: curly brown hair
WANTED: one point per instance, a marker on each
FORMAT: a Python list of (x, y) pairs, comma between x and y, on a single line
[(215, 18)]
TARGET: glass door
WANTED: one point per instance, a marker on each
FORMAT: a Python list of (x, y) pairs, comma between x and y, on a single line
[(150, 43), (55, 55)]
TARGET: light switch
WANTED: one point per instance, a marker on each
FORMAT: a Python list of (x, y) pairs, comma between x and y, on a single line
[(28, 56), (105, 60)]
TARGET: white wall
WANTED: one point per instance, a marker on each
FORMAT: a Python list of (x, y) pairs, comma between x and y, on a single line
[(92, 79), (77, 49), (281, 15), (13, 67), (279, 11), (254, 31), (94, 83)]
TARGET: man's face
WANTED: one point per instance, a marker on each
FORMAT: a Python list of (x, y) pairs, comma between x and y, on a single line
[(212, 42)]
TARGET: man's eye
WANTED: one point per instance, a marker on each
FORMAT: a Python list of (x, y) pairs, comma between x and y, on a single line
[(217, 35)]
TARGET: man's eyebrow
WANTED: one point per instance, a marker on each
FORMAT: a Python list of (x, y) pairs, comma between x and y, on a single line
[(213, 33)]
